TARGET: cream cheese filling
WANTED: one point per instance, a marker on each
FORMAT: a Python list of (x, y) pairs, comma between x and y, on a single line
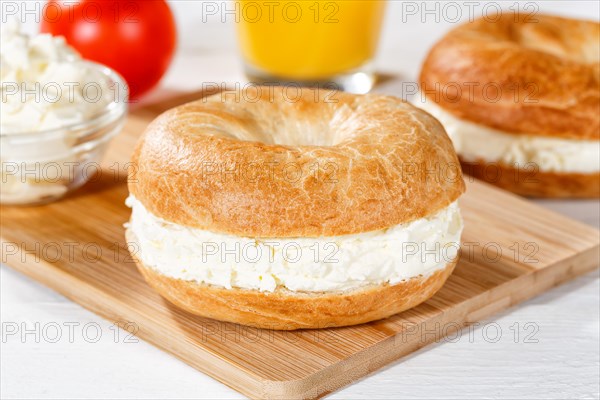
[(474, 141), (324, 264)]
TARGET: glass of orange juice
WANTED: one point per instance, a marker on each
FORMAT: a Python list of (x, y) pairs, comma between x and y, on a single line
[(310, 42)]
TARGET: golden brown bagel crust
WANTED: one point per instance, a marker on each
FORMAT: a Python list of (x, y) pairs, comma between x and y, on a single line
[(547, 69), (379, 161), (535, 183), (287, 310)]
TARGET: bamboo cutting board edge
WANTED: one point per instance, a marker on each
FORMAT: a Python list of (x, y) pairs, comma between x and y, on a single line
[(335, 376), (88, 296), (350, 371)]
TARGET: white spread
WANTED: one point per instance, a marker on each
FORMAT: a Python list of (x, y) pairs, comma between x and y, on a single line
[(475, 141), (45, 85), (300, 264)]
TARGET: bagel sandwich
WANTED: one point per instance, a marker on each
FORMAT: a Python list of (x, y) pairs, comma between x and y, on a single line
[(329, 209), (520, 97)]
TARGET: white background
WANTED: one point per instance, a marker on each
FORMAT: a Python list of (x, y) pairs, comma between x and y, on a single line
[(560, 358)]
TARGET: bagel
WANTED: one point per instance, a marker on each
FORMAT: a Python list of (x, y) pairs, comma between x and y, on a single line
[(318, 210), (521, 94)]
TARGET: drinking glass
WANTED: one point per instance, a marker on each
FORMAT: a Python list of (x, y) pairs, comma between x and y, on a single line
[(310, 42)]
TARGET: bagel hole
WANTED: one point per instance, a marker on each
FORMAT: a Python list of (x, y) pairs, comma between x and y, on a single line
[(287, 129), (550, 38)]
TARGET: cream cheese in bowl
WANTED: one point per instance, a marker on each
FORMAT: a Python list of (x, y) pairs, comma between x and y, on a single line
[(58, 114)]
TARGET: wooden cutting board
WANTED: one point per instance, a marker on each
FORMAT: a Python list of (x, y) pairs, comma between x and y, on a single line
[(512, 250)]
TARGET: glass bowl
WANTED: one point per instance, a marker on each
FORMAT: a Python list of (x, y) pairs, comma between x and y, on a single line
[(42, 166)]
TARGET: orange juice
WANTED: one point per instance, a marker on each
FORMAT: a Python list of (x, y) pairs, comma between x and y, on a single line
[(308, 40)]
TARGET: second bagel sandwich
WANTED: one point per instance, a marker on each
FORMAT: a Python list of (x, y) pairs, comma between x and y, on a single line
[(520, 97), (325, 209)]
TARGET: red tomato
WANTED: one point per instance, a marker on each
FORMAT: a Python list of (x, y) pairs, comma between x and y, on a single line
[(135, 38)]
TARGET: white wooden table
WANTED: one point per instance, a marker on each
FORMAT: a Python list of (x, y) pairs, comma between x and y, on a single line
[(547, 348)]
